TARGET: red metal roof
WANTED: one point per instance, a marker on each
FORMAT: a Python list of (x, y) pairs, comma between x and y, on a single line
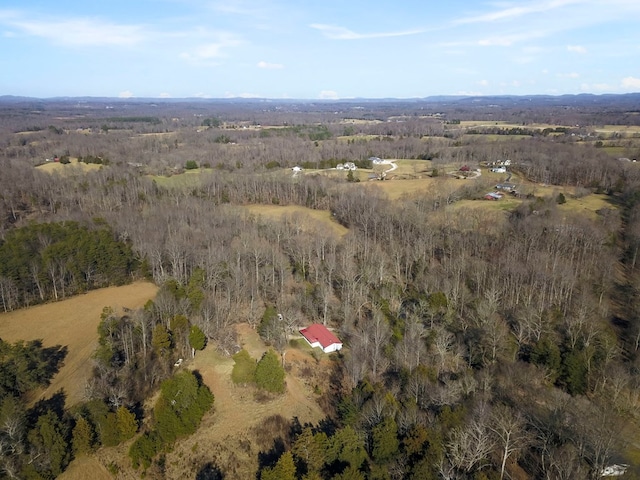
[(320, 333)]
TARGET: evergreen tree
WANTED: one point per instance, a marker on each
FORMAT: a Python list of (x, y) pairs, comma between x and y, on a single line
[(127, 423), (109, 431), (347, 446), (161, 340), (311, 449), (50, 439), (385, 440), (83, 436), (269, 373), (284, 469), (144, 449), (181, 406), (197, 339)]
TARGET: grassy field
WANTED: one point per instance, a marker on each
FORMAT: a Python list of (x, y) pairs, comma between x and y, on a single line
[(588, 205), (306, 217), (74, 323), (395, 189), (624, 130), (493, 137), (73, 166), (504, 124)]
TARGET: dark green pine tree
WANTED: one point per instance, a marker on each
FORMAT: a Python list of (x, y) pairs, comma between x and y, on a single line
[(270, 373), (197, 339), (50, 439)]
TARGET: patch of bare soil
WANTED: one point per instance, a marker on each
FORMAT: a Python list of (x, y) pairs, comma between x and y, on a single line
[(72, 323)]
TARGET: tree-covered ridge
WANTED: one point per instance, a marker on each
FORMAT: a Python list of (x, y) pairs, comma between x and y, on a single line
[(43, 261)]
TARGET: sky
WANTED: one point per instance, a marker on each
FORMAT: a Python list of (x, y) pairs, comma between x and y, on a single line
[(318, 49)]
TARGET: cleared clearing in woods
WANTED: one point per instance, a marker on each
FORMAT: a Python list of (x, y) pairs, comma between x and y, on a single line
[(72, 323), (307, 218), (72, 166)]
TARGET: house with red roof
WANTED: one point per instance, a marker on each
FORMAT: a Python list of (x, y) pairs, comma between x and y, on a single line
[(319, 336)]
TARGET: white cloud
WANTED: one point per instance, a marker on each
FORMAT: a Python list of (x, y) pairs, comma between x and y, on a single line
[(165, 95), (483, 83), (631, 83), (568, 75), (510, 13), (126, 94), (206, 53), (241, 95), (242, 8), (506, 40), (81, 32), (270, 66), (340, 33), (577, 49), (328, 95)]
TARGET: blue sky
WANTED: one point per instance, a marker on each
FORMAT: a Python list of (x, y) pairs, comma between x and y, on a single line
[(318, 49)]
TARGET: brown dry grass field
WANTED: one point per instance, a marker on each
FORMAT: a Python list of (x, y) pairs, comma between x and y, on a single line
[(505, 124), (74, 323), (240, 423), (308, 218), (73, 166)]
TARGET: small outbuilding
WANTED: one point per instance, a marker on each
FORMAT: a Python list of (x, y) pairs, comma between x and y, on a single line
[(319, 336), (506, 186), (493, 196)]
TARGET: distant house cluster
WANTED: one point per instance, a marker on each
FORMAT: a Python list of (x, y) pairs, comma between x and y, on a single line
[(500, 163), (346, 166), (501, 187), (506, 186)]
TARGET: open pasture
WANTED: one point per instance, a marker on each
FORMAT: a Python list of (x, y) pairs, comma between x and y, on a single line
[(73, 166), (306, 218), (72, 323), (620, 130)]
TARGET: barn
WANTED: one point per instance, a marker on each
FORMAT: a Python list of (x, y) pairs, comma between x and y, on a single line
[(319, 336)]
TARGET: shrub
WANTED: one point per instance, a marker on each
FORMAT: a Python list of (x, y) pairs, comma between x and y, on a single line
[(244, 368), (144, 449)]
